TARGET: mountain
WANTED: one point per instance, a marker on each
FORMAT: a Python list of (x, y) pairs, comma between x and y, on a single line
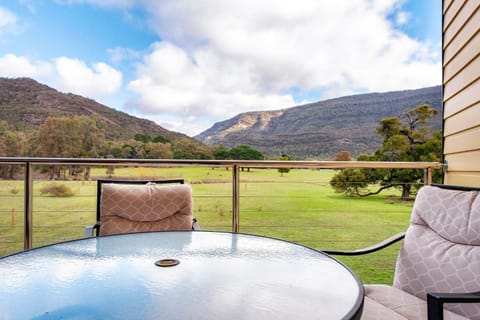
[(319, 130), (26, 104), (312, 131)]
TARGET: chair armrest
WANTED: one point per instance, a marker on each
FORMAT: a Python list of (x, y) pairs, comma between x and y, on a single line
[(370, 249), (195, 225), (91, 231), (436, 300)]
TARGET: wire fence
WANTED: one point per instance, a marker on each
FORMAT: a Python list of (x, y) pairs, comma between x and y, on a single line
[(298, 206)]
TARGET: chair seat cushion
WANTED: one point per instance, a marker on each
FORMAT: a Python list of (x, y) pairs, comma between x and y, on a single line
[(386, 302), (372, 310)]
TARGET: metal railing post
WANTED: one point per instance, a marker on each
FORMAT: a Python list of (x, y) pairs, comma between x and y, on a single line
[(428, 176), (236, 197), (28, 198)]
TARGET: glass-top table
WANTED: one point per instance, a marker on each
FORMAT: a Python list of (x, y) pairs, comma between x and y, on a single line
[(177, 275)]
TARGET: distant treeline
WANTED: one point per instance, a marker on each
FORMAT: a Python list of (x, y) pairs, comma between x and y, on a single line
[(84, 137)]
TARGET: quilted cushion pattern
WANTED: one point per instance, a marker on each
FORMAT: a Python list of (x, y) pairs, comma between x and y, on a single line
[(441, 249), (150, 207), (386, 302), (372, 310)]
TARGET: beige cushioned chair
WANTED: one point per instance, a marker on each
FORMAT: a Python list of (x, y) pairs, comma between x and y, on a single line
[(141, 206), (440, 256)]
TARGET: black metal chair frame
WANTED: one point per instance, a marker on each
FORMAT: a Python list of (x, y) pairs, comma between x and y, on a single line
[(96, 227), (435, 300)]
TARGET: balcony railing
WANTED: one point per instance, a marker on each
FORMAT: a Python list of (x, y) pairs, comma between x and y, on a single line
[(235, 167), (229, 195)]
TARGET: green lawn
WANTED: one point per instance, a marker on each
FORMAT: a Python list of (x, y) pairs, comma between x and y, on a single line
[(299, 206)]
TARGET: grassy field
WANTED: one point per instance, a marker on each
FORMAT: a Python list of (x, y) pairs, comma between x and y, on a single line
[(299, 206)]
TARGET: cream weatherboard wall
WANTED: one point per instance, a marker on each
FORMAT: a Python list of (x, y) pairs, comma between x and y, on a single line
[(461, 91)]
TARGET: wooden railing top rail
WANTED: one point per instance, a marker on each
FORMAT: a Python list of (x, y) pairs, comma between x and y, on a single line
[(224, 163)]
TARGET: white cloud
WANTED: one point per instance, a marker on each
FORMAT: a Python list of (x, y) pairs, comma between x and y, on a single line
[(12, 66), (220, 58), (170, 81), (8, 20), (103, 3), (66, 74), (119, 54), (402, 17), (98, 81)]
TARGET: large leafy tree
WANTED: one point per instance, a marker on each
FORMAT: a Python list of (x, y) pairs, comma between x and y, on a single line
[(158, 150), (405, 138), (93, 136), (59, 137), (12, 144), (245, 152), (68, 137), (240, 152), (221, 153), (184, 148)]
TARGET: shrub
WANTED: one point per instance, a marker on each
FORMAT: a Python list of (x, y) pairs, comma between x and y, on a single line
[(14, 190), (57, 190)]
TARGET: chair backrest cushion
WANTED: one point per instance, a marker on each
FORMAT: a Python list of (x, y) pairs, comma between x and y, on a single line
[(441, 249), (150, 207)]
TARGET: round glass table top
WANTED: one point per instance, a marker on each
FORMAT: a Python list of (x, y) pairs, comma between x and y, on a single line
[(177, 275)]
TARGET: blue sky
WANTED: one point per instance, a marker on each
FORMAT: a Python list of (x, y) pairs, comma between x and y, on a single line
[(188, 64)]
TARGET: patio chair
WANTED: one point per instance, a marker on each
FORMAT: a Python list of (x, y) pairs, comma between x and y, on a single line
[(438, 263), (125, 206)]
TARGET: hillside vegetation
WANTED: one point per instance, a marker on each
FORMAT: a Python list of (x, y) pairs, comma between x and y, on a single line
[(314, 131), (322, 129), (25, 104)]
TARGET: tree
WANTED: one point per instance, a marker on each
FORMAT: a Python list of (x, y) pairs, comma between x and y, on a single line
[(245, 152), (158, 150), (145, 138), (12, 144), (221, 153), (59, 137), (343, 156), (161, 139), (284, 157), (93, 139), (132, 149), (405, 138), (349, 181), (93, 135), (184, 148), (68, 137), (113, 149)]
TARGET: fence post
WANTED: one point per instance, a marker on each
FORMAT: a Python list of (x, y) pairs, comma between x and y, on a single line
[(236, 198), (28, 198), (13, 217)]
